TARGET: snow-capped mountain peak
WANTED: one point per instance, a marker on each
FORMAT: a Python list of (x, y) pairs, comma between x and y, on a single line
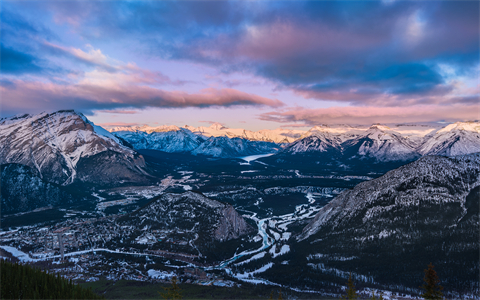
[(379, 127), (455, 139), (54, 144), (217, 126), (473, 126)]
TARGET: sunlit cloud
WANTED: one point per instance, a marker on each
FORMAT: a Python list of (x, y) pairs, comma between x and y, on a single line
[(369, 115), (119, 124), (117, 111), (90, 95)]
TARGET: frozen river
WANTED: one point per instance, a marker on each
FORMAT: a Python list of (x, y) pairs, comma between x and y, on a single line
[(251, 158)]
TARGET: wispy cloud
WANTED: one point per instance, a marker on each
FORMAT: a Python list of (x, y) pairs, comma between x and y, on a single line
[(369, 115), (211, 122)]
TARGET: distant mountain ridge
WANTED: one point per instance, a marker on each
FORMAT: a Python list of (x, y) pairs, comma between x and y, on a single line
[(182, 140), (382, 143), (278, 136)]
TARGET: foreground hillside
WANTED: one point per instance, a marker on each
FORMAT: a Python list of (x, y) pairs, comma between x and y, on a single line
[(388, 229)]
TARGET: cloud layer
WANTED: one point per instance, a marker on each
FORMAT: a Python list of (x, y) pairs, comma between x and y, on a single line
[(342, 51), (406, 57), (370, 115)]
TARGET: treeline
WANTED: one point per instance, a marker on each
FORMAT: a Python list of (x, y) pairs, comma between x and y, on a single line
[(24, 282)]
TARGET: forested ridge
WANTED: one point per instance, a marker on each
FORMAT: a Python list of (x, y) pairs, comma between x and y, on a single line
[(25, 282)]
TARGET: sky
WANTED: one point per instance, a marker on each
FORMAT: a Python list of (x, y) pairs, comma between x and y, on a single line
[(245, 64)]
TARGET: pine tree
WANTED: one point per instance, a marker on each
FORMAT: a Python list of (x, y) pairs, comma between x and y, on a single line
[(280, 294), (351, 292), (24, 282), (375, 297), (431, 286), (173, 292)]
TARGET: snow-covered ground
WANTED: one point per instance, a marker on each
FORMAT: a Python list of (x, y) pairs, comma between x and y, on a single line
[(22, 256), (271, 230), (160, 274)]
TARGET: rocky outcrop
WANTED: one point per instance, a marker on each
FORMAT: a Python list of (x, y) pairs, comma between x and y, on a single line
[(231, 225), (190, 212)]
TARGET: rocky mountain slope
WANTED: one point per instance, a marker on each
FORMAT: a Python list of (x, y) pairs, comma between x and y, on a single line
[(382, 144), (23, 190), (432, 180), (426, 211), (455, 139), (318, 139), (64, 145), (233, 147)]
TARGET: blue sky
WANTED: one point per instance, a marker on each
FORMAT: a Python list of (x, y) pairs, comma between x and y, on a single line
[(250, 64)]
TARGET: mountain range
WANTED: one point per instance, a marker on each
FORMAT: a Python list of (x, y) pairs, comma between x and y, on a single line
[(65, 147), (382, 143), (278, 136), (424, 211)]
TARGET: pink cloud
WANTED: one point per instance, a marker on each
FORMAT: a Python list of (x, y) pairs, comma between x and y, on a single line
[(117, 111), (293, 125), (118, 124), (281, 39), (369, 115), (373, 97), (112, 94), (107, 68)]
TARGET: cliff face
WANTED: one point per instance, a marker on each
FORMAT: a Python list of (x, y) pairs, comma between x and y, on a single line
[(231, 225)]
